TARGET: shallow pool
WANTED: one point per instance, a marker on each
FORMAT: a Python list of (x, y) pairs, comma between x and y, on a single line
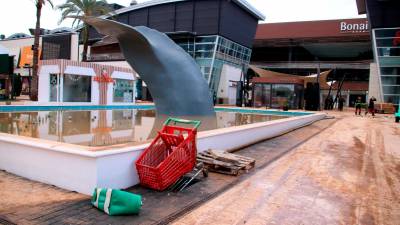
[(110, 127)]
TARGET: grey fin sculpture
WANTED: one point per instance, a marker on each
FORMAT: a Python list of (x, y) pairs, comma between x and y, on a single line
[(173, 77)]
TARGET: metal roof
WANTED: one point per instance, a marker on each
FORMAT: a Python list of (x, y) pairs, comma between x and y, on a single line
[(62, 30), (242, 3), (17, 36)]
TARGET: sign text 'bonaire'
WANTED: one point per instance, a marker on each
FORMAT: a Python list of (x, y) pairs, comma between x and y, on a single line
[(353, 27)]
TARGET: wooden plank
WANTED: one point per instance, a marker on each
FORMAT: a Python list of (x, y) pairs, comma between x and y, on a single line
[(225, 163)]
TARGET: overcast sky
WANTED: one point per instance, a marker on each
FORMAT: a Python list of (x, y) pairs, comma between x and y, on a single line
[(19, 15)]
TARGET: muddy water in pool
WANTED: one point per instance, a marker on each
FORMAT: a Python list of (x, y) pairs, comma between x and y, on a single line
[(110, 127)]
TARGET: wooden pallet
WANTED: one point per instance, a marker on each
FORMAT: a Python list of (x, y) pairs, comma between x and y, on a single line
[(226, 163)]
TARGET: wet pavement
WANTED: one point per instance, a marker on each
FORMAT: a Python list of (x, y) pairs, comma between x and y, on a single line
[(348, 174), (337, 171)]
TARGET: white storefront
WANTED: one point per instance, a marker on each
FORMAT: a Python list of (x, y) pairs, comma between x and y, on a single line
[(64, 81)]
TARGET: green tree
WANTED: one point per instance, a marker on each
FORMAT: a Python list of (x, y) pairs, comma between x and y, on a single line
[(78, 9), (34, 83)]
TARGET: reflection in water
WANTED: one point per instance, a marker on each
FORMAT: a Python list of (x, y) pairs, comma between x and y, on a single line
[(108, 127), (207, 123)]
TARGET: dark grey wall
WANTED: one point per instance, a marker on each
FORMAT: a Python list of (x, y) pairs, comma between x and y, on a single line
[(184, 16), (206, 17), (383, 14), (203, 17), (56, 46), (236, 24)]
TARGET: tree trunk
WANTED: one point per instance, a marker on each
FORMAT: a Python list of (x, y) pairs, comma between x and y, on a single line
[(34, 82), (85, 42)]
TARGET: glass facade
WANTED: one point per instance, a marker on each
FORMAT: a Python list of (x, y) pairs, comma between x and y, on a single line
[(278, 95), (77, 88), (123, 90), (387, 54), (212, 52)]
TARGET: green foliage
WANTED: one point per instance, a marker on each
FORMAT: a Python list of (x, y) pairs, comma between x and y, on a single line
[(43, 2), (77, 9)]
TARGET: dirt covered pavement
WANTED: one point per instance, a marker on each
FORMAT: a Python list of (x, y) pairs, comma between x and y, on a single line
[(338, 171), (347, 174)]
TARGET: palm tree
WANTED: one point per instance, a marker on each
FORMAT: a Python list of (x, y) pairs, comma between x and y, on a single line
[(34, 83), (83, 8)]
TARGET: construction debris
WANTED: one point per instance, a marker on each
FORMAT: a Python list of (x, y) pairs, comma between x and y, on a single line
[(224, 162)]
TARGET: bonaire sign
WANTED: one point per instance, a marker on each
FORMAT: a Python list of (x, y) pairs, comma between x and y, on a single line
[(346, 27)]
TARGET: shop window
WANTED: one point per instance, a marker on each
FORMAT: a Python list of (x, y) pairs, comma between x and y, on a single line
[(207, 39), (282, 94), (389, 61), (53, 87), (123, 90), (262, 95), (395, 99), (387, 42), (391, 89), (390, 71), (383, 33), (389, 51), (258, 95), (390, 80), (77, 88)]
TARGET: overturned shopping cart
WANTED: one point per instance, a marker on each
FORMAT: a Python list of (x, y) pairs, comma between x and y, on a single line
[(170, 155)]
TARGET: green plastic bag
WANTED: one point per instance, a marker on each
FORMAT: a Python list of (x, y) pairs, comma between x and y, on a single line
[(116, 202)]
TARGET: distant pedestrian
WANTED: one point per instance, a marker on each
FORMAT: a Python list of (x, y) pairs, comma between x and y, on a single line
[(341, 103), (371, 106), (358, 105), (328, 103), (326, 107)]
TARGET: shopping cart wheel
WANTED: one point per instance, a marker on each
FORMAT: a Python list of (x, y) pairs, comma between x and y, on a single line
[(205, 172)]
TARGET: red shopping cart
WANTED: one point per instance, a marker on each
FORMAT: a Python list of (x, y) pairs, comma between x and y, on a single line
[(170, 155)]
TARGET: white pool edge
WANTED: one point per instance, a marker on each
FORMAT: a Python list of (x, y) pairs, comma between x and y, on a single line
[(74, 168)]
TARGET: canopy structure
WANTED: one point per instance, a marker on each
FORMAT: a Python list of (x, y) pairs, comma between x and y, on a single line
[(269, 76)]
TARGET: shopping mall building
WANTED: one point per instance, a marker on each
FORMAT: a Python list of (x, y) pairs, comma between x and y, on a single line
[(363, 53), (218, 34), (341, 48), (225, 39)]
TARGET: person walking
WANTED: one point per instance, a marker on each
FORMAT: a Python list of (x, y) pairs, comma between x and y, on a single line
[(358, 105), (341, 103), (331, 102), (371, 106)]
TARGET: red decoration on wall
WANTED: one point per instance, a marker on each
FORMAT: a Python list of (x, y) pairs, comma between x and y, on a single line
[(104, 78), (396, 40)]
